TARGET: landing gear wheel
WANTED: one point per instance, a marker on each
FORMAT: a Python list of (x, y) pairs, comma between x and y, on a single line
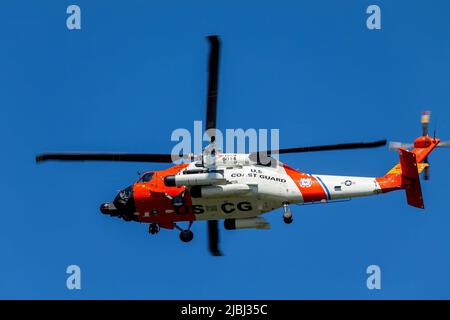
[(186, 235), (288, 220), (287, 214), (153, 228)]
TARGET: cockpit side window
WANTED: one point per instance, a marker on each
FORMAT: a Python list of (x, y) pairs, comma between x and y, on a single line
[(146, 177)]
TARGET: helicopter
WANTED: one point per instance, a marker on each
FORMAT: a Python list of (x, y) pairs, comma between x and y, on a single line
[(239, 188)]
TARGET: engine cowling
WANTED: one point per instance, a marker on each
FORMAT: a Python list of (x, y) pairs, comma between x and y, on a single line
[(246, 223), (217, 191), (195, 179)]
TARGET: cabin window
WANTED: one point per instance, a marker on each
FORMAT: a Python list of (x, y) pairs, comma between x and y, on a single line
[(146, 177)]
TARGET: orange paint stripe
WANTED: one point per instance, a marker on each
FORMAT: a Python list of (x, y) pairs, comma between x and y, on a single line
[(309, 187)]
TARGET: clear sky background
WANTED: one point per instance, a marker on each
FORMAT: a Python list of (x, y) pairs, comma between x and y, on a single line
[(137, 70)]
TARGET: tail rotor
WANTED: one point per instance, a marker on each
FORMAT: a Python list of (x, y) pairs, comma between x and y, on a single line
[(425, 121)]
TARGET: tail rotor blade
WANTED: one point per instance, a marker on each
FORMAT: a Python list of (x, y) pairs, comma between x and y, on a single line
[(444, 144), (426, 170), (425, 120), (394, 145)]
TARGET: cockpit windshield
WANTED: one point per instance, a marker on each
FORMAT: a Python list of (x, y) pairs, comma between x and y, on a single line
[(146, 177)]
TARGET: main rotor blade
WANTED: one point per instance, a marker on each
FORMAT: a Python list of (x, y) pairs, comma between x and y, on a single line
[(341, 146), (213, 237), (213, 79), (425, 120), (130, 157)]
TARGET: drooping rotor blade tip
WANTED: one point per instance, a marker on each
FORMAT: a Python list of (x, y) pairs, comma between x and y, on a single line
[(213, 237), (213, 38)]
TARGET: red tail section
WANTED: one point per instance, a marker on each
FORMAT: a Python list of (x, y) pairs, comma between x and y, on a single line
[(405, 175), (410, 178)]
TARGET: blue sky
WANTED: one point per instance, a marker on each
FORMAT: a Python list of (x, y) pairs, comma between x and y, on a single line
[(137, 70)]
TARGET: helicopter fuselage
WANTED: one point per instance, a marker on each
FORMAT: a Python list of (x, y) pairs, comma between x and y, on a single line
[(236, 188)]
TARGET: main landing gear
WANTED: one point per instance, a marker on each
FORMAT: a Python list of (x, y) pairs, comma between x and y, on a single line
[(186, 235), (287, 214)]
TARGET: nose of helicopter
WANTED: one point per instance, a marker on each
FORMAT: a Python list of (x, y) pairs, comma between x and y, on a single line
[(123, 205), (124, 199)]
